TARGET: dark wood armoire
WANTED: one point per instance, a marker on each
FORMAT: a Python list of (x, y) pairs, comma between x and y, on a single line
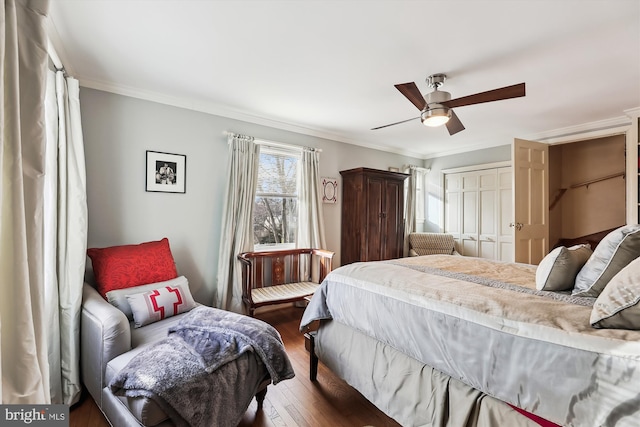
[(372, 215)]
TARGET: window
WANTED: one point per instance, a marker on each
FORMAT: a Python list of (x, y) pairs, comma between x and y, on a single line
[(275, 209), (419, 196)]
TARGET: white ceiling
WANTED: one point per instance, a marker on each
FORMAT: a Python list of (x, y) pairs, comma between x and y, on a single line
[(327, 68)]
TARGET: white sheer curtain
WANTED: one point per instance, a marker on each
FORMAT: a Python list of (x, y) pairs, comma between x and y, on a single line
[(23, 323), (410, 207), (237, 220), (65, 234), (310, 232)]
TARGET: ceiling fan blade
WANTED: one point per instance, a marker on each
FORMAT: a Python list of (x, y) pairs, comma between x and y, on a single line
[(508, 92), (454, 125), (412, 93), (396, 123)]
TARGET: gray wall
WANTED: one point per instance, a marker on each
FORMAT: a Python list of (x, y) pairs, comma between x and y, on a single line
[(434, 190), (117, 132)]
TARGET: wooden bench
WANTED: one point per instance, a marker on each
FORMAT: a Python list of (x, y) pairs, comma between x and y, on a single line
[(275, 277)]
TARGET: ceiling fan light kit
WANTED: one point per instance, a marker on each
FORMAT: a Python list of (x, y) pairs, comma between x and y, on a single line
[(435, 115), (436, 106)]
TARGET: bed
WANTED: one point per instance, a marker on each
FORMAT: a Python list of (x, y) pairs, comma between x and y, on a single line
[(444, 340)]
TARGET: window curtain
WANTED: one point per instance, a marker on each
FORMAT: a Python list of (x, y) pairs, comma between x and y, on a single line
[(237, 221), (310, 232), (410, 207), (65, 234), (23, 324)]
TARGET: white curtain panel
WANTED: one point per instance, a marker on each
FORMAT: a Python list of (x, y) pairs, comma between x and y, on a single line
[(65, 234), (410, 207), (23, 323), (310, 232), (237, 221)]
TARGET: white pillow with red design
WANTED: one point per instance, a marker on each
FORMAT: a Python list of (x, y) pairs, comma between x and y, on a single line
[(160, 303), (118, 297)]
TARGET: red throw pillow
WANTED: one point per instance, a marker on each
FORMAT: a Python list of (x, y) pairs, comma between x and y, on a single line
[(119, 267)]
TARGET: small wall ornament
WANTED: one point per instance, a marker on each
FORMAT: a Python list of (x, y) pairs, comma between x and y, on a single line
[(329, 190)]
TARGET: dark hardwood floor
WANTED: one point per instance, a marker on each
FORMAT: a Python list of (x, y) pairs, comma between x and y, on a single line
[(295, 402)]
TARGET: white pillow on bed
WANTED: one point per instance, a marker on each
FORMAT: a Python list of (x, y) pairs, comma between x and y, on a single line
[(612, 254), (618, 304), (557, 271)]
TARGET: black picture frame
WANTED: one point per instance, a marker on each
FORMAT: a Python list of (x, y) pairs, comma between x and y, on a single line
[(166, 172)]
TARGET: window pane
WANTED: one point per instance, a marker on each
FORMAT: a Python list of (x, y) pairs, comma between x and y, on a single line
[(277, 174), (274, 220)]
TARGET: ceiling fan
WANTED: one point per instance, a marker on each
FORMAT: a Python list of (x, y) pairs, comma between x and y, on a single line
[(436, 107)]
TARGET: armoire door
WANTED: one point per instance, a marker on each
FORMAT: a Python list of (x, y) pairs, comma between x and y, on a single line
[(375, 234), (393, 208)]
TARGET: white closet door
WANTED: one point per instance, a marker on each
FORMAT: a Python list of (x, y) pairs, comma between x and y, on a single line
[(470, 207), (478, 208), (453, 206), (487, 213), (505, 214), (531, 184)]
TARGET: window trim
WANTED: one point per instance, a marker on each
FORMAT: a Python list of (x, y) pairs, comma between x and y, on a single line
[(289, 152)]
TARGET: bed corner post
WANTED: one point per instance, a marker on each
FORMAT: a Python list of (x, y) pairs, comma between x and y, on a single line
[(310, 343)]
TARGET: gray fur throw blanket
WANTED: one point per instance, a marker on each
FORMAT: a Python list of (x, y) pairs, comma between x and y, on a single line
[(203, 373)]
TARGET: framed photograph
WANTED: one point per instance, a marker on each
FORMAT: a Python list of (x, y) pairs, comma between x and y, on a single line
[(166, 172)]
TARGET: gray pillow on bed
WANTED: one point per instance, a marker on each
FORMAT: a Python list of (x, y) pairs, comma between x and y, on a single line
[(612, 254), (557, 271), (617, 306)]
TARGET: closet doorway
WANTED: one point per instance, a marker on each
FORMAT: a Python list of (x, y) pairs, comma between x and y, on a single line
[(586, 190)]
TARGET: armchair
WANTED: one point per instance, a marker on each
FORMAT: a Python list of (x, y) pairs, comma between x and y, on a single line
[(431, 244), (109, 341)]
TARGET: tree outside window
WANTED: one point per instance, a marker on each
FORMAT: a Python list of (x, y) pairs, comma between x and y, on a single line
[(275, 210)]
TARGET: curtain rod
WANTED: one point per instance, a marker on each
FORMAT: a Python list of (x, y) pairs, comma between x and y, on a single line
[(276, 144), (54, 57), (427, 170)]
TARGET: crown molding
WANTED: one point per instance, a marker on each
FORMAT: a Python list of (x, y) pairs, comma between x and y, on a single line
[(222, 111), (465, 150), (633, 112), (597, 129)]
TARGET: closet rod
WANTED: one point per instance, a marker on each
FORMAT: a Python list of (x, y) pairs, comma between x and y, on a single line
[(604, 178)]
